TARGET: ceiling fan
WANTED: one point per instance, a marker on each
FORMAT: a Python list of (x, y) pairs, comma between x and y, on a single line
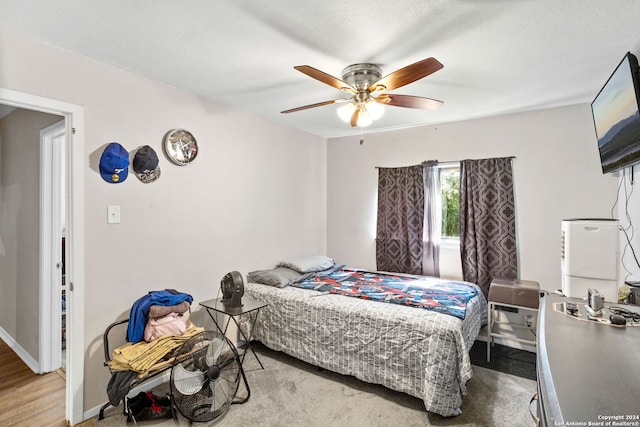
[(369, 91)]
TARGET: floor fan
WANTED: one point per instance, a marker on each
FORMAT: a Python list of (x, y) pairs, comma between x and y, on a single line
[(205, 377)]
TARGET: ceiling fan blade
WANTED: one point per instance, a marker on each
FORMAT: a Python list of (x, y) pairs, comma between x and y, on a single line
[(406, 75), (319, 104), (408, 101), (325, 78), (354, 117)]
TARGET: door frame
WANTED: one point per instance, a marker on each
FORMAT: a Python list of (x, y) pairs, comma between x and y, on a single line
[(74, 212), (51, 256)]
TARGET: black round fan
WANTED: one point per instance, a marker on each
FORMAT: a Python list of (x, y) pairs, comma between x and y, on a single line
[(232, 287), (205, 376)]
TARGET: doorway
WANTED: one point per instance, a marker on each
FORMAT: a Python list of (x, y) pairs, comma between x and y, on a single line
[(72, 153), (52, 248)]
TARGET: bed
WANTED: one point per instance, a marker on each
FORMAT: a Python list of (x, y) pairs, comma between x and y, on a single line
[(314, 317)]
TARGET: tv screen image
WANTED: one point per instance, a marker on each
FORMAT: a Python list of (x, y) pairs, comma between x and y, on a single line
[(617, 118)]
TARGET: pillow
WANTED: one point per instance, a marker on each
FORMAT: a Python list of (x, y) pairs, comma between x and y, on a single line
[(308, 264), (279, 277)]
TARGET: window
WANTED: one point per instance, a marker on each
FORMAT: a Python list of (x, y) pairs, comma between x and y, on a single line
[(450, 197)]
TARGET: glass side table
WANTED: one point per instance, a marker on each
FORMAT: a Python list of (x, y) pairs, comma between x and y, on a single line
[(250, 307)]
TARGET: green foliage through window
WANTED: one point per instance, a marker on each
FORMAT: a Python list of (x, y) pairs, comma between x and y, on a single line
[(450, 193)]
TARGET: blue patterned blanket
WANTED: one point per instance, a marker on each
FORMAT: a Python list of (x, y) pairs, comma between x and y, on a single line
[(447, 297)]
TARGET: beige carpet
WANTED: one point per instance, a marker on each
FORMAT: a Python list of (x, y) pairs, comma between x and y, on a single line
[(289, 392)]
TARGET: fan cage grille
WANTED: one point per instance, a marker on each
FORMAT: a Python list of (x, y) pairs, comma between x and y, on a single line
[(215, 395)]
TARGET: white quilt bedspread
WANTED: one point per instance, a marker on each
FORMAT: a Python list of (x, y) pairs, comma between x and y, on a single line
[(416, 351)]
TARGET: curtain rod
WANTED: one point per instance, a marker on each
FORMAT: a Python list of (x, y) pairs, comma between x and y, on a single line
[(447, 162)]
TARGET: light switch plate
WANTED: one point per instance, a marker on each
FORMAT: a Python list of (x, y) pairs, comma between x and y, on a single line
[(113, 214)]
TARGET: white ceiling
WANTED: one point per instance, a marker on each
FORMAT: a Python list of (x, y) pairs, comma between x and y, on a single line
[(499, 56)]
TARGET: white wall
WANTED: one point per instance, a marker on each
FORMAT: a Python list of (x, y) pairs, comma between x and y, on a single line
[(255, 194), (556, 172)]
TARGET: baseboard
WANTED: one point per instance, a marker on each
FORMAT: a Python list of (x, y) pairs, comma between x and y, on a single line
[(160, 379), (21, 352)]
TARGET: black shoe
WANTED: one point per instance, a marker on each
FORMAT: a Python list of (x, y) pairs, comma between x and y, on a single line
[(136, 404), (154, 413), (147, 406), (138, 399)]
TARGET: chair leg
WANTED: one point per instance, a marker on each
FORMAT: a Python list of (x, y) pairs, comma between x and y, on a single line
[(105, 406)]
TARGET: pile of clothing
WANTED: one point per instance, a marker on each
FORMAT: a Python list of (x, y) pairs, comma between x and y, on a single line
[(157, 314), (157, 328), (143, 358)]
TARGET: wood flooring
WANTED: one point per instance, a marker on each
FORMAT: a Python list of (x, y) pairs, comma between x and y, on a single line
[(28, 399)]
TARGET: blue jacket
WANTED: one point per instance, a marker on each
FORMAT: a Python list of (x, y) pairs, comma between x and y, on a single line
[(140, 310)]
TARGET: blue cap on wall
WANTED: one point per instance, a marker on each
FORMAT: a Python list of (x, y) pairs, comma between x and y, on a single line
[(114, 163)]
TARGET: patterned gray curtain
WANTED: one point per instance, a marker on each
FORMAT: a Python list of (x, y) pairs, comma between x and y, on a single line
[(399, 245), (487, 221), (432, 219)]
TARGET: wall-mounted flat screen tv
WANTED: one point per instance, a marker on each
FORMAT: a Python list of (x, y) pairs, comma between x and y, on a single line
[(616, 116)]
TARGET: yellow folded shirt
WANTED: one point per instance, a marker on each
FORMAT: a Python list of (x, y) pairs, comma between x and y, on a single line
[(142, 356)]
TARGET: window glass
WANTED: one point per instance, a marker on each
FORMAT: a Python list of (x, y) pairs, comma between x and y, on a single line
[(450, 193)]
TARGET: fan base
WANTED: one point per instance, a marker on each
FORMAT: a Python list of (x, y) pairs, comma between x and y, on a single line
[(361, 76), (232, 302)]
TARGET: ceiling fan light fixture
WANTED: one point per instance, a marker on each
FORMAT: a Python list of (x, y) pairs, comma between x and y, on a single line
[(364, 119), (375, 110), (367, 112), (346, 111)]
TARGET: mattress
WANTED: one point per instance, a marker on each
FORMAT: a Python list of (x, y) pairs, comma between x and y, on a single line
[(412, 350)]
